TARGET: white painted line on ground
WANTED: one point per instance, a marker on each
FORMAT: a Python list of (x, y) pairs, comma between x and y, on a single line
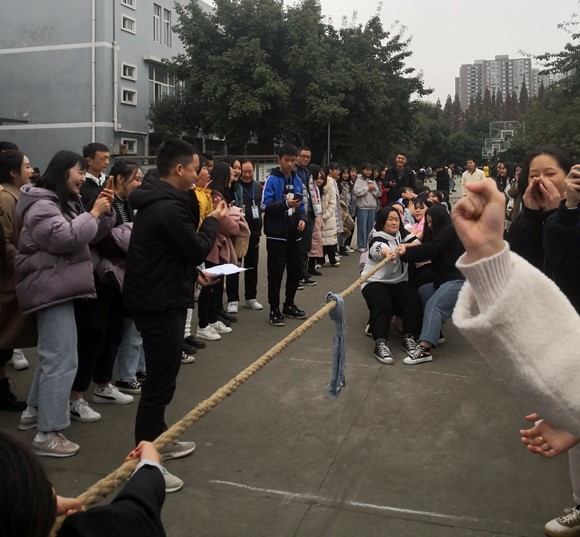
[(308, 498), (323, 362)]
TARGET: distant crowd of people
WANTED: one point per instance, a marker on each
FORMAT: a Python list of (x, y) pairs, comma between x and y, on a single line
[(99, 268)]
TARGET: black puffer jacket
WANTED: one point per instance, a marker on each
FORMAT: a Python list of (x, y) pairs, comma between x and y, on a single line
[(165, 249)]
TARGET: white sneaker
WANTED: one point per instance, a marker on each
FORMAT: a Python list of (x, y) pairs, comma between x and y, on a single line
[(18, 360), (207, 333), (28, 419), (187, 358), (220, 328), (81, 411), (253, 304), (172, 482), (232, 307), (110, 394), (566, 525)]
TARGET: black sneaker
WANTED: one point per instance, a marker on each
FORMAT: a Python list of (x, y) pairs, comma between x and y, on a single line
[(418, 356), (293, 311), (342, 251), (194, 342), (141, 376), (190, 350), (224, 316), (276, 318), (441, 338), (409, 344), (133, 387), (382, 352), (307, 281), (300, 287), (314, 272)]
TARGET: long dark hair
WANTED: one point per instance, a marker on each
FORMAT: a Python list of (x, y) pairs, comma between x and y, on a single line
[(55, 177), (440, 218), (10, 161), (27, 502), (315, 170), (125, 168), (220, 178)]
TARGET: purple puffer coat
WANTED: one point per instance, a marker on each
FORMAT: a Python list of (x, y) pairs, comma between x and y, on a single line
[(54, 260)]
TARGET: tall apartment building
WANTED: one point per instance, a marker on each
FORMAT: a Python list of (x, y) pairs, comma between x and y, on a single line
[(77, 71), (500, 74)]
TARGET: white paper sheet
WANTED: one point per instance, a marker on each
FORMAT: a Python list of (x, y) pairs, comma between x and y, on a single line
[(224, 270)]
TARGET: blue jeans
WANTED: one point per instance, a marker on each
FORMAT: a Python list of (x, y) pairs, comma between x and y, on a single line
[(56, 368), (438, 304), (365, 220), (130, 355)]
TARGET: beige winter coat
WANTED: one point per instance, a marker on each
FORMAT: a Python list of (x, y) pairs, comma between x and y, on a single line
[(329, 213)]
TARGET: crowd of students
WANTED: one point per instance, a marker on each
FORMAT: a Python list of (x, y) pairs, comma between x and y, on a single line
[(117, 256)]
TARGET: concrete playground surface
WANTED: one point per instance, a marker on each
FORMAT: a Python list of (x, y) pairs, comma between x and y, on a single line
[(426, 450)]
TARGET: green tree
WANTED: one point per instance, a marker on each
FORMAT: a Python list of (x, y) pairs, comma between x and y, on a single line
[(255, 72)]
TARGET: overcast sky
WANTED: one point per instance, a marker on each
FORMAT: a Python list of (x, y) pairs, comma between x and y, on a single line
[(448, 33)]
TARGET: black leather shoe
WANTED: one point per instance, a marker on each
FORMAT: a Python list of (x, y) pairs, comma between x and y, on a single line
[(194, 342)]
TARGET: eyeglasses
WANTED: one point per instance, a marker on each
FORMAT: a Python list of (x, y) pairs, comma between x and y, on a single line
[(305, 156)]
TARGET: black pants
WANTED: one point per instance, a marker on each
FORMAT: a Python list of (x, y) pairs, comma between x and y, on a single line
[(283, 255), (306, 245), (162, 334), (209, 302), (330, 251), (251, 262), (5, 356), (383, 299), (92, 320), (233, 287)]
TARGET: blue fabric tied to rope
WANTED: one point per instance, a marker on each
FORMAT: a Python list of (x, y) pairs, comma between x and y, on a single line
[(337, 380)]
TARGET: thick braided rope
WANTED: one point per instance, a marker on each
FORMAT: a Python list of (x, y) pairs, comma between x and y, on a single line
[(102, 488)]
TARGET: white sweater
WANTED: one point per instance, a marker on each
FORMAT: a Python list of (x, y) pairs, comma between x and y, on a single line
[(527, 331)]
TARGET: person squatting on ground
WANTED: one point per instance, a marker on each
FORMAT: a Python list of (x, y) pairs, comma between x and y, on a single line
[(441, 245), (388, 290)]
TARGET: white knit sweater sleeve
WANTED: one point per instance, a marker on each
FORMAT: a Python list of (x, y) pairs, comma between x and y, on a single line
[(527, 331)]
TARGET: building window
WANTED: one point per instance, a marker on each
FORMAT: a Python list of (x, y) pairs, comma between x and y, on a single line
[(129, 97), (161, 83), (130, 145), (166, 27), (130, 3), (156, 23), (129, 72), (129, 25)]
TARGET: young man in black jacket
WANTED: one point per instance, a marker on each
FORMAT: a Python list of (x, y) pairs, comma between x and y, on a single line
[(402, 174), (164, 251)]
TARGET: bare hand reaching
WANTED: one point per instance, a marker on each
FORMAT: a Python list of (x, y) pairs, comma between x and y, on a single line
[(546, 440), (479, 220)]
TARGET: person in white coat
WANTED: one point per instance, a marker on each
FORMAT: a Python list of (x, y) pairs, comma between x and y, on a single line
[(509, 298), (329, 230)]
